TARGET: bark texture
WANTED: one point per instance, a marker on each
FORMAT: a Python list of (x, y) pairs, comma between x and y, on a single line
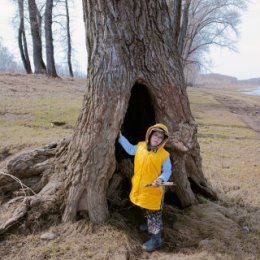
[(135, 78)]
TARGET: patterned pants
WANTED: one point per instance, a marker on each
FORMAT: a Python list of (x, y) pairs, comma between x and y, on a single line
[(154, 220)]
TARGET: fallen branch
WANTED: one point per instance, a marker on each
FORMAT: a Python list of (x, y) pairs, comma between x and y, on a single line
[(19, 181)]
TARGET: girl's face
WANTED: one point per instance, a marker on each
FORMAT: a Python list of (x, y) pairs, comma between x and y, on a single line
[(156, 138)]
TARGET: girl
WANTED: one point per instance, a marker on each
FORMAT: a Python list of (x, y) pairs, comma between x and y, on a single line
[(151, 165)]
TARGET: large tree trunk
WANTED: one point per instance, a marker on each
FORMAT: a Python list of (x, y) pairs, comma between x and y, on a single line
[(22, 42), (135, 78), (35, 23), (51, 70)]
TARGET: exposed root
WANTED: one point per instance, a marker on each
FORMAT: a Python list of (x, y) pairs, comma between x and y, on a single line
[(31, 173), (33, 212), (32, 163), (18, 215), (30, 170)]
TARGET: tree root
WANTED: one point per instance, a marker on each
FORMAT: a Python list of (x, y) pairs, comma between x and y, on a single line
[(30, 173), (17, 217)]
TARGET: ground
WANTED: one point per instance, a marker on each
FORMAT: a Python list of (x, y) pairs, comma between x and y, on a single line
[(229, 137)]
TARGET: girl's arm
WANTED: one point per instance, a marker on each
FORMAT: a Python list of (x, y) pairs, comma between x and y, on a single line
[(166, 170), (129, 148)]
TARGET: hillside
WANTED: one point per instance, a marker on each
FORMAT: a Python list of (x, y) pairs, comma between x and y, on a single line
[(224, 82), (214, 78), (254, 81), (229, 137)]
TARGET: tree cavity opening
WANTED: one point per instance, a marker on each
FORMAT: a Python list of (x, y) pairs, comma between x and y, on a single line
[(140, 114)]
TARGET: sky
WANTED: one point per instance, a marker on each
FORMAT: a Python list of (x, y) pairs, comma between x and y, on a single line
[(243, 64)]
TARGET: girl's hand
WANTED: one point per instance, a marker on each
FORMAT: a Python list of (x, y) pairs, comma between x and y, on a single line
[(158, 182)]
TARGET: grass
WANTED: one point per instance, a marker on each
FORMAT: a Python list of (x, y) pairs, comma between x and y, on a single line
[(230, 152), (25, 119)]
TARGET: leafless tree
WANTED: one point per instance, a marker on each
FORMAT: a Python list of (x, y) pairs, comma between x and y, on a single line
[(210, 22), (61, 22), (51, 70), (69, 51), (35, 24), (22, 41)]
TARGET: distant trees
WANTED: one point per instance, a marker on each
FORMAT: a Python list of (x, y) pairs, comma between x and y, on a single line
[(34, 14), (7, 60), (210, 22)]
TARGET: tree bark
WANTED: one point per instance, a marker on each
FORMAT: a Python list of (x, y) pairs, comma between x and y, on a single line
[(135, 78), (35, 23), (51, 70), (68, 39), (22, 42)]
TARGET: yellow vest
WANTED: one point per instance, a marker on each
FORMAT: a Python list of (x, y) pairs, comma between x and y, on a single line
[(147, 168)]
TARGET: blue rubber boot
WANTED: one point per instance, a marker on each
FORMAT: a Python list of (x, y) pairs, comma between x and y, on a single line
[(153, 243), (143, 227)]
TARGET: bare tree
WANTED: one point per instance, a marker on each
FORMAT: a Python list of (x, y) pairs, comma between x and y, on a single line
[(35, 24), (61, 26), (135, 78), (211, 23), (51, 70), (69, 51), (22, 41)]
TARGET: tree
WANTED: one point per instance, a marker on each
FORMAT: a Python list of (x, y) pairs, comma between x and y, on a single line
[(51, 70), (210, 23), (69, 51), (135, 78), (35, 23), (22, 41)]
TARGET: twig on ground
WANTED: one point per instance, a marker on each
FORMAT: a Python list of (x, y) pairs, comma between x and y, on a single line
[(23, 186)]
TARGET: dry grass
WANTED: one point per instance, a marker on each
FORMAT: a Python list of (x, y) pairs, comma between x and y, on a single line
[(28, 105), (230, 150), (80, 240)]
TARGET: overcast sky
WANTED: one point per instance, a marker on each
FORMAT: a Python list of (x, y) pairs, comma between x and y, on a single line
[(246, 63), (243, 65)]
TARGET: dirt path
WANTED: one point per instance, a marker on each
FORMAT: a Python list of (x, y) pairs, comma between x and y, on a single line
[(249, 113)]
